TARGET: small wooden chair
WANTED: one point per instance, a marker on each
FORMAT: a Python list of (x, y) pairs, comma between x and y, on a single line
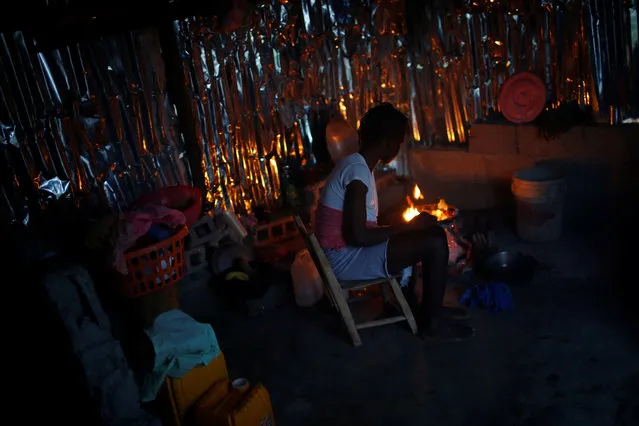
[(337, 289)]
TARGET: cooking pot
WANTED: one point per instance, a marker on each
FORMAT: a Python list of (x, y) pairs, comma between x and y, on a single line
[(508, 267)]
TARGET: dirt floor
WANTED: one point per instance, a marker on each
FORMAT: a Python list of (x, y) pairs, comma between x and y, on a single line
[(567, 355)]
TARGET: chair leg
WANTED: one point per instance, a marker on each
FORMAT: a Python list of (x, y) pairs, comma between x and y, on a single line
[(408, 313), (330, 296), (347, 317)]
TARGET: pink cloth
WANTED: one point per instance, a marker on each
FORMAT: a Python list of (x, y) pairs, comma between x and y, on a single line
[(328, 227), (136, 224)]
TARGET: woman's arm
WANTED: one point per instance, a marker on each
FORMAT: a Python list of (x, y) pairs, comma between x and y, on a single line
[(356, 232)]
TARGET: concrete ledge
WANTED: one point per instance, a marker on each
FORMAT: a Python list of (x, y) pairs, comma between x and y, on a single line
[(600, 164), (585, 142), (492, 139)]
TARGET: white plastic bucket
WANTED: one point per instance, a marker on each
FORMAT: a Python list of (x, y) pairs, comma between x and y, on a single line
[(539, 193)]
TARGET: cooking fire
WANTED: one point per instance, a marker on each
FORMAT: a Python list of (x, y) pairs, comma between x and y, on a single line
[(441, 210), (459, 249)]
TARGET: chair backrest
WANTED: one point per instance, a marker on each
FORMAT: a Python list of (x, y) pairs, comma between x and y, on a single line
[(301, 227), (319, 258)]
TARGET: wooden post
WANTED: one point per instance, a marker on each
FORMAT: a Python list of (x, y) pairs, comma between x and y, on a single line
[(178, 94)]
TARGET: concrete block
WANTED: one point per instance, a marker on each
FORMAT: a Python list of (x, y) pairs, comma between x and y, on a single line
[(204, 232), (611, 142), (447, 166), (490, 139), (459, 177), (529, 143), (195, 259), (468, 181), (599, 161)]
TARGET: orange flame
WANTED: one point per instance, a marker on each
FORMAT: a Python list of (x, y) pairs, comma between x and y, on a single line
[(410, 213), (441, 210), (417, 193)]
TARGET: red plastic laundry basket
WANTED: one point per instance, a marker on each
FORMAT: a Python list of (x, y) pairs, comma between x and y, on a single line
[(155, 267)]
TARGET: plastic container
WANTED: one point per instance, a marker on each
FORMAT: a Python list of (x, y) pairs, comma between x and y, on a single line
[(255, 409), (212, 398), (232, 404), (155, 267), (540, 194), (218, 403), (184, 394), (307, 283)]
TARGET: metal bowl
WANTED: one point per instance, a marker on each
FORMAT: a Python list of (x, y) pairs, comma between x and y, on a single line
[(509, 267)]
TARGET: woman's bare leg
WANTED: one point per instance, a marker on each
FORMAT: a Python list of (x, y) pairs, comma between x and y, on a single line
[(430, 247)]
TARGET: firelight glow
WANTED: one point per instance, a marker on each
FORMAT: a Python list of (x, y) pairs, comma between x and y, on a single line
[(417, 193), (410, 213), (441, 210)]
